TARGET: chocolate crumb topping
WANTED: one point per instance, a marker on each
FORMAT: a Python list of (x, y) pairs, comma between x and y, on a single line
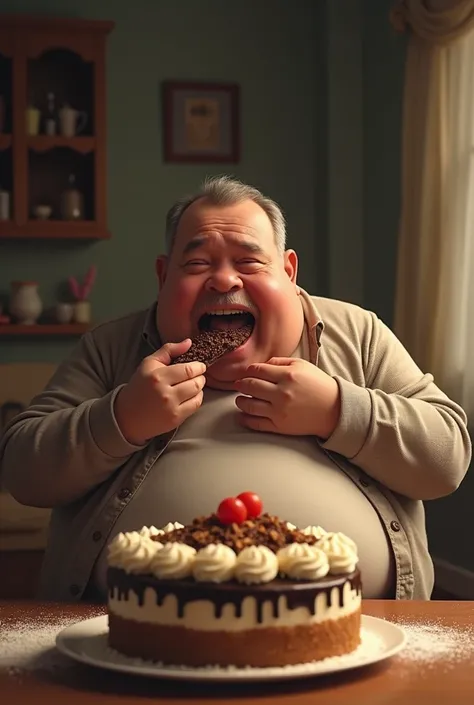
[(267, 531), (210, 345)]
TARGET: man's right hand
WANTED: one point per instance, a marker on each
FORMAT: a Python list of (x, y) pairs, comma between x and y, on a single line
[(159, 396)]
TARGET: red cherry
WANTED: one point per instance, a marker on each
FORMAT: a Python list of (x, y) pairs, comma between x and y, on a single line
[(253, 503), (232, 510)]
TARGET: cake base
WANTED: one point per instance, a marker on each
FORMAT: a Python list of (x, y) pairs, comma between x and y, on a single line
[(273, 646)]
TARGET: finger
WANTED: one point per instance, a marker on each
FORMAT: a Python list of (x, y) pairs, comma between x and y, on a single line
[(282, 361), (189, 407), (188, 389), (266, 371), (255, 407), (257, 388), (170, 350), (176, 374), (257, 423)]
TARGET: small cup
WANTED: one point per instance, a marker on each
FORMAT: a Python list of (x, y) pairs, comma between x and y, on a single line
[(42, 212), (64, 312)]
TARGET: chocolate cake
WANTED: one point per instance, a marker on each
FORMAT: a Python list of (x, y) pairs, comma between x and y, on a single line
[(256, 591), (210, 345)]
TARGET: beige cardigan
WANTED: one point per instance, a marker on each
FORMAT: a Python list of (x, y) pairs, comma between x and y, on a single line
[(399, 438)]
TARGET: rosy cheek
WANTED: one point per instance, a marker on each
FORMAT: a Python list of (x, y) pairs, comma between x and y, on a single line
[(265, 293), (273, 287), (185, 292)]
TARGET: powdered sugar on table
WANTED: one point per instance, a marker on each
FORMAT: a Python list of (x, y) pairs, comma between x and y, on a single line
[(29, 644), (433, 644)]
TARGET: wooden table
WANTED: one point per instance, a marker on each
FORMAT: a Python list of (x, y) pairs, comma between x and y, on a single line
[(396, 681)]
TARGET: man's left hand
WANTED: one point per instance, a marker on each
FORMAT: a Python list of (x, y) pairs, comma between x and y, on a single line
[(289, 396)]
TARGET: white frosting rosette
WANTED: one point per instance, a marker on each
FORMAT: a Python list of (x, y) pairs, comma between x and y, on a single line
[(171, 526), (173, 561), (255, 565), (341, 552), (149, 531), (132, 552), (214, 563), (302, 561), (317, 531)]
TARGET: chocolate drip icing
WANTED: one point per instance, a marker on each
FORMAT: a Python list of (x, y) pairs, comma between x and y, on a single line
[(297, 594)]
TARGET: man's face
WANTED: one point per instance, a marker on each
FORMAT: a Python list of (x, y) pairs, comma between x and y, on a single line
[(225, 258)]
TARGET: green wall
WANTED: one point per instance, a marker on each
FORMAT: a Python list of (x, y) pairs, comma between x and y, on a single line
[(272, 56)]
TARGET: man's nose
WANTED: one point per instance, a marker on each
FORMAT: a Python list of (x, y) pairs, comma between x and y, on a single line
[(224, 280)]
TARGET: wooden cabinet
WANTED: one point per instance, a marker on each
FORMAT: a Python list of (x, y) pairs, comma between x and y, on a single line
[(53, 160)]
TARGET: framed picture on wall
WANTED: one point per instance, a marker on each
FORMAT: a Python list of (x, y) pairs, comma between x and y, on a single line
[(201, 122)]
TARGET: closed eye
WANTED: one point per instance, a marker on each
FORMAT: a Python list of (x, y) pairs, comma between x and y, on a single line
[(196, 263), (249, 263)]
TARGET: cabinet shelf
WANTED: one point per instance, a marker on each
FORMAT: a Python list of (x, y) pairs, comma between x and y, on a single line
[(41, 329), (42, 143)]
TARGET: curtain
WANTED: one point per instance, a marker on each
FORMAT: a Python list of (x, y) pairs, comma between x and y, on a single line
[(435, 21), (434, 304)]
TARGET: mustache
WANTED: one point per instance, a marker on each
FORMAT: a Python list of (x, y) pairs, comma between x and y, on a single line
[(227, 301)]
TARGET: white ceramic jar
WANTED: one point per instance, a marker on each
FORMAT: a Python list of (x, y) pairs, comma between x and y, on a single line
[(25, 302)]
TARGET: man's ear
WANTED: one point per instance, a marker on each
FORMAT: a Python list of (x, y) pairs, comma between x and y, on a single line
[(161, 269), (291, 265)]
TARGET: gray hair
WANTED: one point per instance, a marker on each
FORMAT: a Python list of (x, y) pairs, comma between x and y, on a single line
[(224, 190)]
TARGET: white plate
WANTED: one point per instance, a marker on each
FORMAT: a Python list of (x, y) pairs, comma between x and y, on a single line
[(86, 642)]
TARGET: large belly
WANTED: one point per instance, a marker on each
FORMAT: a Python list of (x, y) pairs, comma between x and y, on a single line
[(294, 478)]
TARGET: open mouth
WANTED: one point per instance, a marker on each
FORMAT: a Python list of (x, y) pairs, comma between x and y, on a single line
[(220, 333), (226, 320)]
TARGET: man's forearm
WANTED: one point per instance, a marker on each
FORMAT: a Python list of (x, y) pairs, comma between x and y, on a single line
[(418, 447), (53, 457)]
